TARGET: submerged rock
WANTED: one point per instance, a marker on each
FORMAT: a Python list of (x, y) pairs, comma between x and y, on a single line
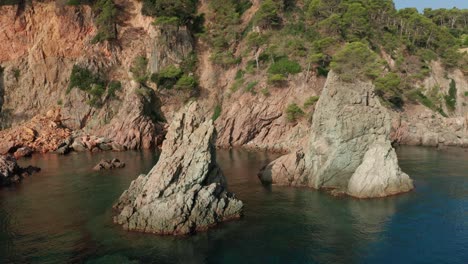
[(186, 191), (349, 148), (11, 172), (109, 164)]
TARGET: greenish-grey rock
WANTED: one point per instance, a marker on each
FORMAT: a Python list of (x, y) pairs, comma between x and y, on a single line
[(349, 149), (186, 191)]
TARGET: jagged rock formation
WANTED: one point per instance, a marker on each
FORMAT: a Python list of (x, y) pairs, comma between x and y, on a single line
[(349, 149), (132, 127), (259, 122), (186, 190), (11, 173)]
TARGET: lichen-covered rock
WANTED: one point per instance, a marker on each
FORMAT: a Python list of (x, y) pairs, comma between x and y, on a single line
[(349, 148), (186, 191)]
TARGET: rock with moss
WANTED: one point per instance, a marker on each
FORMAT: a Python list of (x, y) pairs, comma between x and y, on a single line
[(186, 191)]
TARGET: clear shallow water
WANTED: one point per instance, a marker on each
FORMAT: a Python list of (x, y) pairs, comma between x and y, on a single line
[(63, 215)]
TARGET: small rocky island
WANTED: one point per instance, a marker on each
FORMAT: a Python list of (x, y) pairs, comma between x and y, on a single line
[(349, 149), (186, 191)]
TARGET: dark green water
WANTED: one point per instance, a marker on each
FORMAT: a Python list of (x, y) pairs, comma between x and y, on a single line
[(63, 215)]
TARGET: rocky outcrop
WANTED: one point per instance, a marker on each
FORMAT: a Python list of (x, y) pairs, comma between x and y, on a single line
[(109, 165), (38, 58), (136, 126), (11, 173), (186, 191), (43, 133), (349, 149), (425, 128), (257, 121)]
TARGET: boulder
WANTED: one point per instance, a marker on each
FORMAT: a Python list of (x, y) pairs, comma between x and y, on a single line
[(23, 152), (349, 149), (11, 172), (78, 145), (109, 164), (64, 148), (185, 191)]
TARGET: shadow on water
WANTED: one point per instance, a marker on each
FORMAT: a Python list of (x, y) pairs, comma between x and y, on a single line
[(63, 215)]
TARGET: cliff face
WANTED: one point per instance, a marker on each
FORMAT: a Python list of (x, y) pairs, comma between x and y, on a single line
[(349, 148), (39, 48)]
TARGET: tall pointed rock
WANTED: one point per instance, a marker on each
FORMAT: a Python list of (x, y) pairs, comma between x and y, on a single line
[(185, 191)]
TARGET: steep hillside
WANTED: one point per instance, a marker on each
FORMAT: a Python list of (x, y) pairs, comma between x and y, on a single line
[(121, 68)]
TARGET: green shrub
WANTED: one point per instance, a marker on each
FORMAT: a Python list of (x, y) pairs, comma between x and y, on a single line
[(83, 79), (138, 69), (113, 87), (356, 60), (225, 58), (284, 67), (187, 83), (265, 92), (167, 21), (451, 98), (236, 85), (97, 90), (239, 74), (293, 112), (216, 112), (106, 20), (466, 93), (184, 10), (59, 102), (250, 87), (311, 101), (16, 73), (276, 79), (268, 14), (167, 77), (387, 87), (417, 95)]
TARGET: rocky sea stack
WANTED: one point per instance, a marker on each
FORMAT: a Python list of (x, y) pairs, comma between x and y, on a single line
[(186, 191), (349, 149)]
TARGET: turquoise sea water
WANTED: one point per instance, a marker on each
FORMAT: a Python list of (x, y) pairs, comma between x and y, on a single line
[(63, 215)]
